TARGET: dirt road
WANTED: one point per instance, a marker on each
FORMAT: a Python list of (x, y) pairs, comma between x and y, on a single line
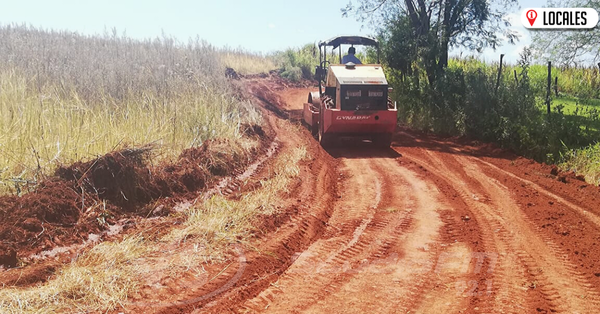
[(430, 225), (434, 225)]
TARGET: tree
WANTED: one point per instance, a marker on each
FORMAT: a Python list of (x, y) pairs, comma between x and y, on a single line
[(429, 28), (568, 47)]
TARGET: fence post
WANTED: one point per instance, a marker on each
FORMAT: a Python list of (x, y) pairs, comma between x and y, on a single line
[(516, 78), (499, 73), (598, 66), (556, 86), (549, 86)]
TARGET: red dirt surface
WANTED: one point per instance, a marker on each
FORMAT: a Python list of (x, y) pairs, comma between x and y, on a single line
[(430, 225)]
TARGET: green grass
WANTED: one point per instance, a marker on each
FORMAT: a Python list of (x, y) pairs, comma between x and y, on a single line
[(583, 112), (578, 100), (573, 104), (580, 82), (584, 161)]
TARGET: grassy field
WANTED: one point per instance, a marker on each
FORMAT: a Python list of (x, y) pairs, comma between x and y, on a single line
[(580, 82), (66, 97), (573, 104), (584, 112)]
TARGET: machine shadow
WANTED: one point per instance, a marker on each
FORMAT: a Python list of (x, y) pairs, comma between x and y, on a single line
[(406, 138), (360, 150)]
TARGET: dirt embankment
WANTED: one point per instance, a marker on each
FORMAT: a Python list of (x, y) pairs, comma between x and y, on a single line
[(88, 197)]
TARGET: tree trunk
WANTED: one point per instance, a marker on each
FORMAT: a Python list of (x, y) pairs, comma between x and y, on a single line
[(445, 40), (443, 63), (419, 22), (548, 87), (499, 73)]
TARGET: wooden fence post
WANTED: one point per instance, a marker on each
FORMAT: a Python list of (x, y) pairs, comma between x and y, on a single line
[(556, 86), (549, 86), (516, 78), (499, 73)]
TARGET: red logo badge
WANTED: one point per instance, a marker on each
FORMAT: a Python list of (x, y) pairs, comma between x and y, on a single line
[(531, 16)]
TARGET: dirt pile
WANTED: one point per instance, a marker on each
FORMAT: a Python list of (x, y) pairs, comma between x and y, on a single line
[(86, 197), (119, 177), (231, 73)]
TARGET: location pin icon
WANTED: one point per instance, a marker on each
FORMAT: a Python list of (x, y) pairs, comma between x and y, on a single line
[(531, 16)]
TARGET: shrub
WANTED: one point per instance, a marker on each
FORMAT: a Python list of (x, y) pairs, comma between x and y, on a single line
[(292, 73), (467, 100), (302, 61)]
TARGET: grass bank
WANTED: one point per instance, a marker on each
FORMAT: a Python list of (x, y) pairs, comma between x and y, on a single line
[(65, 97), (105, 277), (585, 161)]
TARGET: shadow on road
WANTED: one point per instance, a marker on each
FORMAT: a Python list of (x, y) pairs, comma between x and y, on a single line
[(451, 145), (359, 149)]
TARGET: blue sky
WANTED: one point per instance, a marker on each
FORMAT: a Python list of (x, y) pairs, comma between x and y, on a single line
[(259, 26)]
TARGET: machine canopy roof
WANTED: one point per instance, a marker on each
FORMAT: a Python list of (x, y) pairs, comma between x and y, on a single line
[(361, 74), (349, 40)]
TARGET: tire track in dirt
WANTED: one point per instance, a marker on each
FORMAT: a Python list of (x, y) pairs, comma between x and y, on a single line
[(584, 287), (557, 278), (393, 259), (508, 273), (402, 277), (324, 260), (587, 214), (375, 244), (535, 256)]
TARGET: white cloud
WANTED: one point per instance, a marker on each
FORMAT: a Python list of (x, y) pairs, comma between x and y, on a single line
[(271, 25)]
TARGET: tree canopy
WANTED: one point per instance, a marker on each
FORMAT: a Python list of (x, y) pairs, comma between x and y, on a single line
[(425, 30), (569, 47)]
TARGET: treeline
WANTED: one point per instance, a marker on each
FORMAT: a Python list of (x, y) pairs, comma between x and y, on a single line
[(469, 99)]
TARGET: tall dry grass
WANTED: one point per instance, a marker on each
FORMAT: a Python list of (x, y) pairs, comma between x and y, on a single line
[(66, 97), (245, 63)]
